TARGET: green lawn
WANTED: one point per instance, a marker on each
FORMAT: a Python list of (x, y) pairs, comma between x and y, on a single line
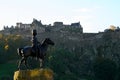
[(7, 69)]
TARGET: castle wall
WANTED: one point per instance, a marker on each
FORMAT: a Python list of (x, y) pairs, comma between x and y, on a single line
[(57, 26)]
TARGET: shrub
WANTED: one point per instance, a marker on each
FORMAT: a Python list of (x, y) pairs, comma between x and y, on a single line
[(104, 69)]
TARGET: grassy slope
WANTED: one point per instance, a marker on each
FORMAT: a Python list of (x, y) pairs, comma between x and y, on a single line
[(7, 69)]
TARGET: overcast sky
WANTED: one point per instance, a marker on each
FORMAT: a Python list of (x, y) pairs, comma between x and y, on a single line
[(94, 15)]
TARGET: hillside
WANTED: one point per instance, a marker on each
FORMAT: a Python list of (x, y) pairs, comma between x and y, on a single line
[(73, 56)]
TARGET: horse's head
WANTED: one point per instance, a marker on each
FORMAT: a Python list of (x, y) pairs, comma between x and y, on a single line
[(49, 41)]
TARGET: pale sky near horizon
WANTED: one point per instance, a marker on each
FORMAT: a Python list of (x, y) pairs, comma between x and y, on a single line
[(94, 15)]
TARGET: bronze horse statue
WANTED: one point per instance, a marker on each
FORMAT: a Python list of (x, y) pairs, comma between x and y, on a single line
[(26, 52)]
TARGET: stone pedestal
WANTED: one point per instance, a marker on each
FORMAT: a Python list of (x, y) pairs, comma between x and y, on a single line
[(36, 74)]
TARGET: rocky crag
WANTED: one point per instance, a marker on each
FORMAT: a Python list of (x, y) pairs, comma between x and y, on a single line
[(71, 37)]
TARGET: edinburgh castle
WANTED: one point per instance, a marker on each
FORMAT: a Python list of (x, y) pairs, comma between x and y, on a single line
[(57, 26)]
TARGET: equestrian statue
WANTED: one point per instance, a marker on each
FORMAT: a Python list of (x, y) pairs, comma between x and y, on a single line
[(37, 50)]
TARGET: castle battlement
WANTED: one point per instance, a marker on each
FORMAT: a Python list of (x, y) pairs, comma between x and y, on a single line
[(57, 26)]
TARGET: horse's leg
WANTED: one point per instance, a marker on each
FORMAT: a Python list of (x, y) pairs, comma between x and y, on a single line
[(41, 63), (26, 63), (20, 62)]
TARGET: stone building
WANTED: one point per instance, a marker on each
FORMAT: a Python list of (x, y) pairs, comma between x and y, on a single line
[(57, 26), (23, 26), (77, 26)]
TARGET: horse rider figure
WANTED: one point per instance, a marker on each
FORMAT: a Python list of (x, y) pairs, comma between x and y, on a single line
[(35, 42)]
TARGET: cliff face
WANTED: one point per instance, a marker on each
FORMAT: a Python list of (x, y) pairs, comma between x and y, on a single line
[(106, 44), (85, 46), (72, 39)]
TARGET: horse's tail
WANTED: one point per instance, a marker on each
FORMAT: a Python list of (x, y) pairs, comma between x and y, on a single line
[(19, 51)]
